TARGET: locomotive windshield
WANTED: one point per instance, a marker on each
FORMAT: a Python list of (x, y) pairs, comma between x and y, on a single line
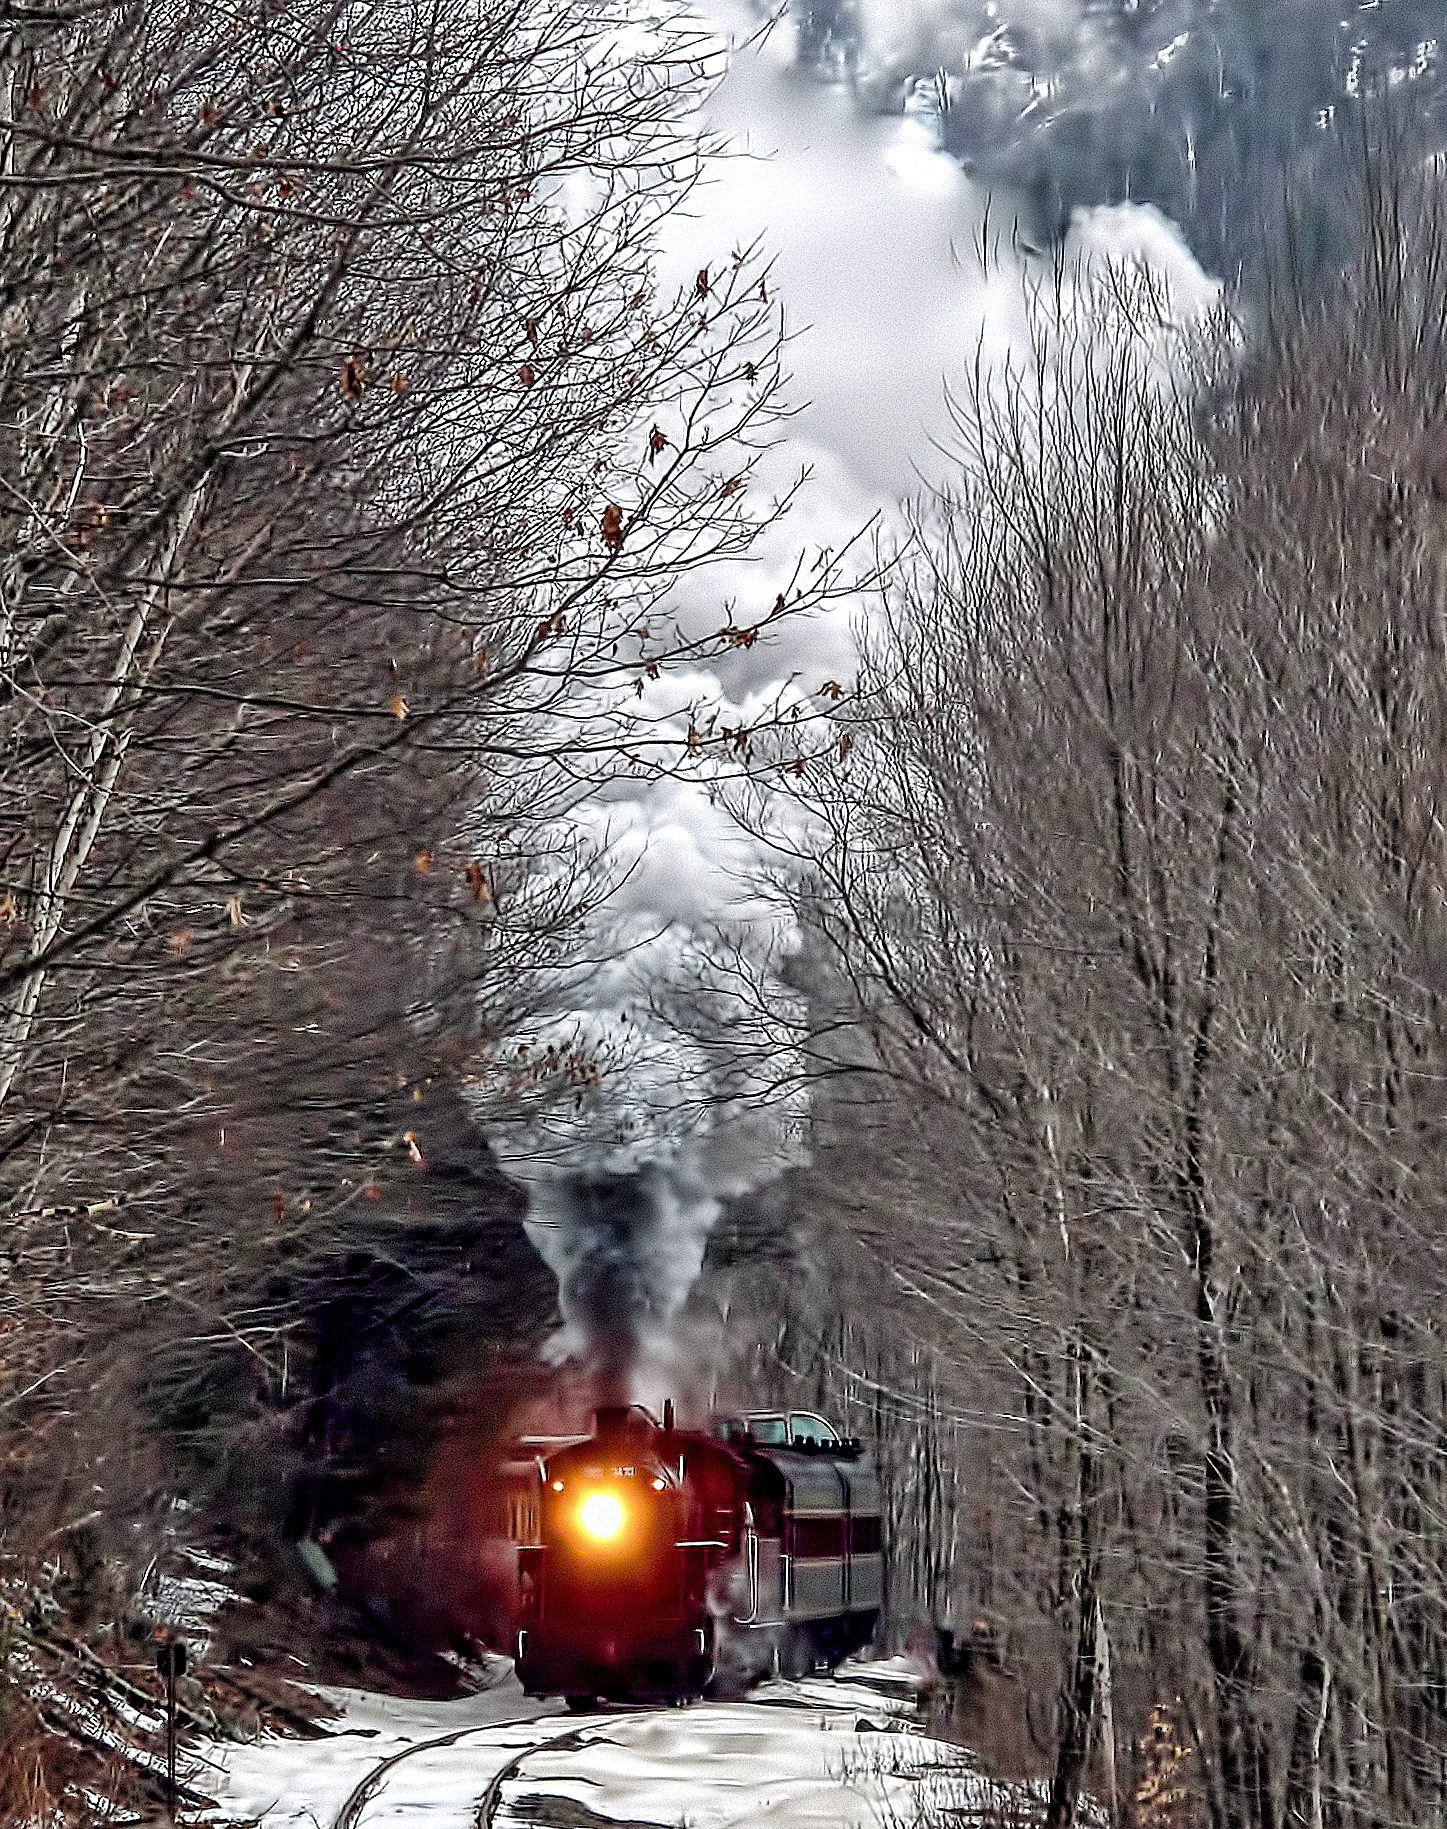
[(790, 1428)]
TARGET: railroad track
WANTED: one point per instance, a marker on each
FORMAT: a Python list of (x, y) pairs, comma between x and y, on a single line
[(351, 1811), (491, 1799), (487, 1804)]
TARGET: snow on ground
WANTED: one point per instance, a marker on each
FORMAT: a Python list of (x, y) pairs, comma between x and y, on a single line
[(277, 1782), (795, 1755)]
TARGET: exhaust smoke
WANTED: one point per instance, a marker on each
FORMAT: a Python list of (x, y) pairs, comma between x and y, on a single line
[(626, 1249)]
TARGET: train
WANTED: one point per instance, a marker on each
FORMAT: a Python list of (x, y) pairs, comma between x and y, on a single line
[(656, 1562)]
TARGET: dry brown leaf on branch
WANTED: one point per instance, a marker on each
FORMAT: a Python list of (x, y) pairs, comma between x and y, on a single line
[(409, 1137), (233, 910), (831, 689), (422, 863), (658, 440), (476, 879), (9, 906), (354, 377), (700, 284), (613, 527), (398, 707)]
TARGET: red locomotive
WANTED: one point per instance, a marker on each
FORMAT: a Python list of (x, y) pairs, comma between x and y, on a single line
[(668, 1562)]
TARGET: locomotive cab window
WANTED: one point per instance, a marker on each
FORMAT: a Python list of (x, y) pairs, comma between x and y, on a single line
[(792, 1428)]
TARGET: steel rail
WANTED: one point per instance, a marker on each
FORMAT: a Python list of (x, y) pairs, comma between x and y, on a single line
[(352, 1809), (488, 1803)]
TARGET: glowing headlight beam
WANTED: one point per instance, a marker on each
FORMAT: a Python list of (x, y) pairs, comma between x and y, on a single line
[(602, 1515)]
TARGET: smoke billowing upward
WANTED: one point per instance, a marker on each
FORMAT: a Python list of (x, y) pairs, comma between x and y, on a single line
[(626, 1249), (681, 1011)]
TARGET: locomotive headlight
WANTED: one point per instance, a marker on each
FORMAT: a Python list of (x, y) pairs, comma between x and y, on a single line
[(601, 1515)]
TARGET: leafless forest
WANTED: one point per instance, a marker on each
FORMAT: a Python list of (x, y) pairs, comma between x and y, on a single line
[(336, 516), (333, 519), (1127, 967)]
